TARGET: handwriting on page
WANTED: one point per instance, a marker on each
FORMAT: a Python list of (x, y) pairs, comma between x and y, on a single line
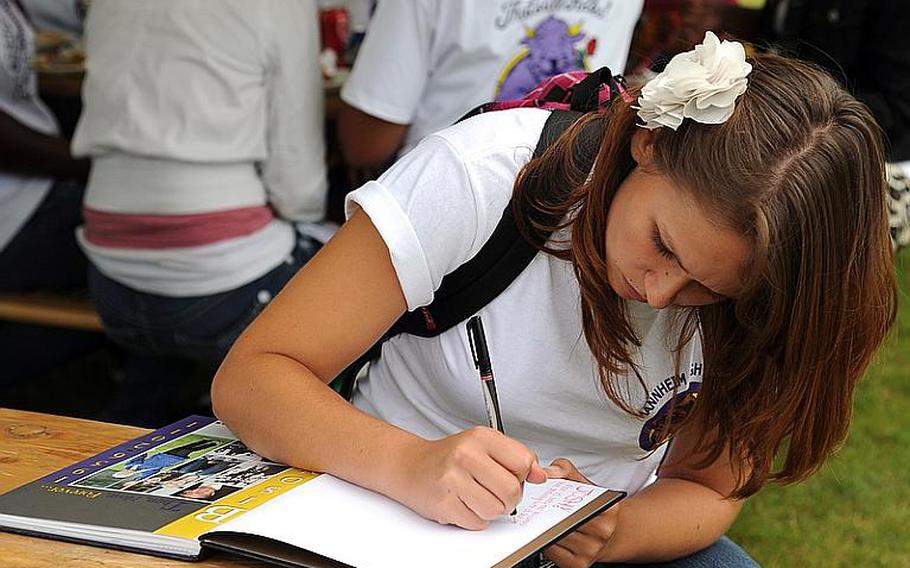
[(557, 497), (389, 535)]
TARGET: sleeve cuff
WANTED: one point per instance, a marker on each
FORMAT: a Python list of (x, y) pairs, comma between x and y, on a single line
[(395, 228), (387, 112)]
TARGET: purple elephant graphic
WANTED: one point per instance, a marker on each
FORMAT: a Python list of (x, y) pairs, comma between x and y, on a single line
[(549, 50)]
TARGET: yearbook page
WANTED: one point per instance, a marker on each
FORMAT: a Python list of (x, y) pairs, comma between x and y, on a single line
[(358, 527)]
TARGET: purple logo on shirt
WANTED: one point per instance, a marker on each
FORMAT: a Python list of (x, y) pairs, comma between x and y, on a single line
[(549, 49), (657, 429)]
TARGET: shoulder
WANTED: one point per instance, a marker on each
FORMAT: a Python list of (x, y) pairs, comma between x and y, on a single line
[(510, 134)]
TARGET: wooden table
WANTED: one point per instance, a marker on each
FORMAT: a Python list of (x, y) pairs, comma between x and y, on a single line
[(33, 445)]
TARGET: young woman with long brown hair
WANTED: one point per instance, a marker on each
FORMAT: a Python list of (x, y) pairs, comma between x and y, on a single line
[(721, 279)]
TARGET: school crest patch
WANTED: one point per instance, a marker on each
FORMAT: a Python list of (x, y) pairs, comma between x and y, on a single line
[(654, 431)]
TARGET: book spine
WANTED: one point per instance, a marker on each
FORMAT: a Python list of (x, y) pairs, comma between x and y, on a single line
[(127, 450)]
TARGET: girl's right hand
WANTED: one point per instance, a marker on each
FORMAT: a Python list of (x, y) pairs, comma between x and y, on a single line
[(467, 479)]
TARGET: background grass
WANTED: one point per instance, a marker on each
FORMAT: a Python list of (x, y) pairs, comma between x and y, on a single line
[(856, 511)]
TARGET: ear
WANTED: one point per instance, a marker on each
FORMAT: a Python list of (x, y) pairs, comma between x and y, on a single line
[(643, 146)]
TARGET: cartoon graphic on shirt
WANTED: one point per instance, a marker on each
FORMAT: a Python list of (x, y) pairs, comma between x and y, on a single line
[(655, 431), (549, 49)]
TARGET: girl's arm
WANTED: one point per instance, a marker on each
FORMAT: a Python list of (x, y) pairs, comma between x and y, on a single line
[(682, 512), (272, 391)]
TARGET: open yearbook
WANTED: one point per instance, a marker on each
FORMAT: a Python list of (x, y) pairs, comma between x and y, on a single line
[(193, 486)]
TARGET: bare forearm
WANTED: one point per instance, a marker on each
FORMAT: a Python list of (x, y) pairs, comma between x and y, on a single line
[(27, 151), (670, 519), (283, 411)]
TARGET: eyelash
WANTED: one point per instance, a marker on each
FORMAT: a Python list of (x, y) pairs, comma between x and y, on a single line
[(668, 254), (659, 244)]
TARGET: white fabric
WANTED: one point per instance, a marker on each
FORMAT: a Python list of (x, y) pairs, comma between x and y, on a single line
[(20, 195), (434, 209), (427, 62), (56, 15), (203, 106), (195, 271), (702, 85)]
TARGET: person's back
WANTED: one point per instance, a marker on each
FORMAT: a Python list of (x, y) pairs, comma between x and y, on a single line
[(424, 63), (207, 116), (204, 122)]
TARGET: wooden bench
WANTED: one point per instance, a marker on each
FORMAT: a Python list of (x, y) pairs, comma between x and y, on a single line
[(54, 310)]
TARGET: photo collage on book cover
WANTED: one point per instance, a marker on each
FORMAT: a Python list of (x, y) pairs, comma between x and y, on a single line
[(205, 465)]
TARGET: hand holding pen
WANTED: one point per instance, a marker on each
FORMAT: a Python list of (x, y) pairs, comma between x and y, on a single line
[(470, 478), (480, 352)]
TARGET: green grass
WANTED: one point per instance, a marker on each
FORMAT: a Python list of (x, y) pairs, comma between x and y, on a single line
[(856, 511)]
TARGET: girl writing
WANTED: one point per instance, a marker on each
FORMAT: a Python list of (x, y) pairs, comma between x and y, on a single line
[(720, 279)]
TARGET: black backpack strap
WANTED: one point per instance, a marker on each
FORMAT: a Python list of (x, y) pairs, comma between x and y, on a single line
[(478, 281), (475, 283), (487, 274)]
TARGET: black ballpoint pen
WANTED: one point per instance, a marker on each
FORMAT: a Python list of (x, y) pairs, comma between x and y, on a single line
[(481, 355)]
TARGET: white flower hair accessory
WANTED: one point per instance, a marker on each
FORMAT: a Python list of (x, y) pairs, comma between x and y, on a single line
[(701, 84)]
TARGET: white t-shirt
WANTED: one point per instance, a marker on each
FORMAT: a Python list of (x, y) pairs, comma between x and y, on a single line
[(434, 209), (201, 107), (427, 62), (20, 195), (57, 15)]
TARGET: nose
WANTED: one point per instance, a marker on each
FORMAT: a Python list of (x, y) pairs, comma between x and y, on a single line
[(662, 287)]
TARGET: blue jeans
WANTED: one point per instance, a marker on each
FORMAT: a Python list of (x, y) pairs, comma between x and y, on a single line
[(722, 554), (169, 341)]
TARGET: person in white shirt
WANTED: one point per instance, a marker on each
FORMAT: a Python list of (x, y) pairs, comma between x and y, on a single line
[(425, 63), (722, 276), (41, 187), (41, 183), (204, 123)]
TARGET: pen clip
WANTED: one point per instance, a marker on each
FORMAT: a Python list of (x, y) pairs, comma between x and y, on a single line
[(472, 340)]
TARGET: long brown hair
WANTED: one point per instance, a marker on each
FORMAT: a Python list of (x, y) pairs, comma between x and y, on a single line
[(799, 171)]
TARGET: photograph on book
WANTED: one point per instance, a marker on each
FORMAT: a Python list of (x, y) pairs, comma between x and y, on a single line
[(205, 465)]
